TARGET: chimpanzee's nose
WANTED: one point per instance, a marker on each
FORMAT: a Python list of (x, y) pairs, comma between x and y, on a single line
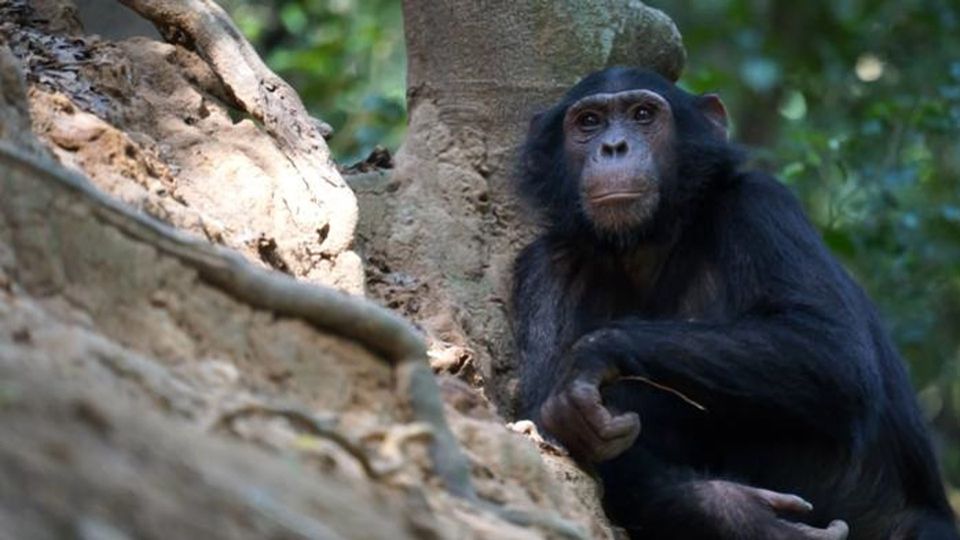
[(613, 149)]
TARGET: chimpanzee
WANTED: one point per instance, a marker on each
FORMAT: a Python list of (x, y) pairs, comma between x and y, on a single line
[(673, 289)]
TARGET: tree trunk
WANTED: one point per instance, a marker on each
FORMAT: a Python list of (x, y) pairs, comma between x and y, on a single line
[(441, 232)]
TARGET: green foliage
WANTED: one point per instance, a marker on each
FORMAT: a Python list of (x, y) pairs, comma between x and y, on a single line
[(346, 58), (856, 105)]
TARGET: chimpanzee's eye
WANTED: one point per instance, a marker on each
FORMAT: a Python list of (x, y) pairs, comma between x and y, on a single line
[(589, 120), (644, 114)]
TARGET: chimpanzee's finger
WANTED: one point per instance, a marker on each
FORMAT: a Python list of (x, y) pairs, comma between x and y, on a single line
[(837, 530), (613, 447), (783, 502)]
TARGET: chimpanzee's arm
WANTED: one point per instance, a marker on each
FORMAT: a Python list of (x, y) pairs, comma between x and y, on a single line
[(540, 307), (793, 366), (790, 371), (546, 322)]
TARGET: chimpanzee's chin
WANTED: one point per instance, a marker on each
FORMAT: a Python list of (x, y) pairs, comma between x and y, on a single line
[(625, 219)]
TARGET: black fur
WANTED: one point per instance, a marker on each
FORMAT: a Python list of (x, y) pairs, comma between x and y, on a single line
[(729, 297)]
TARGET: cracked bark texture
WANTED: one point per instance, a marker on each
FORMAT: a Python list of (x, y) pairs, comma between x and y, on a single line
[(440, 232)]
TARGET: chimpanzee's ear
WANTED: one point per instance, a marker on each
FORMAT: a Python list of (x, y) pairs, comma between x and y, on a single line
[(715, 111)]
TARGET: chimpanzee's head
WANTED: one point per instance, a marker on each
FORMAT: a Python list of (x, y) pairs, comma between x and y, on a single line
[(625, 155)]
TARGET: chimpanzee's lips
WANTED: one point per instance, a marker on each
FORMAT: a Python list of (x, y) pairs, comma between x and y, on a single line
[(616, 197)]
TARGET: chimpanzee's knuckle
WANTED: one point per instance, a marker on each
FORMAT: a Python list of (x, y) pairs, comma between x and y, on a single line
[(611, 449), (548, 413), (584, 392)]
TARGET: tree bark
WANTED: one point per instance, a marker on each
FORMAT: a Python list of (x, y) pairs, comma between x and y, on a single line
[(447, 215)]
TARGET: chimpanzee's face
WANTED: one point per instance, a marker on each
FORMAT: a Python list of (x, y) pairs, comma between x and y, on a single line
[(622, 145)]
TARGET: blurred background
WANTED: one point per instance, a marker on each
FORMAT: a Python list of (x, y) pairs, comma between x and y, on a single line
[(855, 104)]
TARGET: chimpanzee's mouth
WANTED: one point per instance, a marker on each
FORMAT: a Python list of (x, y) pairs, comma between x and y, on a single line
[(617, 197)]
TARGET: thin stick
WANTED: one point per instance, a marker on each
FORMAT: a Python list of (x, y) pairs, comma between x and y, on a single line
[(659, 386)]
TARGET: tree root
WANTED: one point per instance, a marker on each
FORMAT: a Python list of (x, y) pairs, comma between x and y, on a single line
[(203, 27), (306, 422), (329, 310)]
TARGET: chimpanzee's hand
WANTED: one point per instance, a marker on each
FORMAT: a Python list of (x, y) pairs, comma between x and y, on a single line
[(782, 503), (574, 413), (768, 515)]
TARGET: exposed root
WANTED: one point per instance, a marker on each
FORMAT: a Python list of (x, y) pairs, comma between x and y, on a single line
[(202, 26), (302, 421)]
